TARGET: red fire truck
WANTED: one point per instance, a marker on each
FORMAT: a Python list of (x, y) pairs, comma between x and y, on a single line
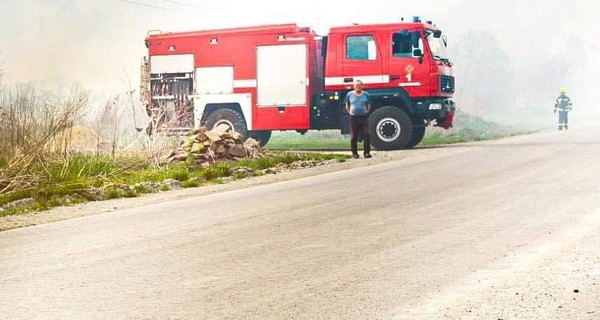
[(286, 77)]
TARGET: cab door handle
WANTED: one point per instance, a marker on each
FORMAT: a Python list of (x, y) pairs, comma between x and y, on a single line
[(346, 80)]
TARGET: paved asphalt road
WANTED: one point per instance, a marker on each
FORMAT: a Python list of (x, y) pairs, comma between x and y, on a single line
[(499, 230)]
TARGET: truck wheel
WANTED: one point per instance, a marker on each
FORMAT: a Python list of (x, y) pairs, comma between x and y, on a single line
[(228, 117), (262, 136), (417, 136), (391, 128)]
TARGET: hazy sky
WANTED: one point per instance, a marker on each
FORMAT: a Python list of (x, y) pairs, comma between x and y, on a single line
[(99, 43)]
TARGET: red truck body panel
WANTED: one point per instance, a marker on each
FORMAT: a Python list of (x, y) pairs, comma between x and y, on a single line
[(238, 48)]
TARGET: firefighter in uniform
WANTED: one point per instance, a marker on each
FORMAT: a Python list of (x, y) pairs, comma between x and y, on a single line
[(563, 106)]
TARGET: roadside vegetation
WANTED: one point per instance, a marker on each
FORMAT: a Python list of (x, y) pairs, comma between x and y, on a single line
[(44, 163), (40, 167), (80, 178)]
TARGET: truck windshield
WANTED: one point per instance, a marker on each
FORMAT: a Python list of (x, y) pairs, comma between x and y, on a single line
[(438, 47)]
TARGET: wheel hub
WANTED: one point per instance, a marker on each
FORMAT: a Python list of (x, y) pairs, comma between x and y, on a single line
[(226, 122), (388, 129)]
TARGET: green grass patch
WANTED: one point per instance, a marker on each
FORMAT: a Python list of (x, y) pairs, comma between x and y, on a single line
[(439, 140), (84, 178), (121, 191), (16, 195), (141, 189), (191, 183), (300, 143), (83, 167), (180, 174)]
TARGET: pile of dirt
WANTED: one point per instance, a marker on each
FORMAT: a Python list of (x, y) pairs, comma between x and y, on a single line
[(207, 147)]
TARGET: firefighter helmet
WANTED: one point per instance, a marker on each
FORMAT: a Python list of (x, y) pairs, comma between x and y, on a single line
[(562, 90)]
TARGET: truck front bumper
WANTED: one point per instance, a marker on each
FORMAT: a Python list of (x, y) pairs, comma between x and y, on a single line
[(446, 120), (441, 110)]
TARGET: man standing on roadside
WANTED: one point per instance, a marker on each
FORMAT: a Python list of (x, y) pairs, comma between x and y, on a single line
[(358, 105)]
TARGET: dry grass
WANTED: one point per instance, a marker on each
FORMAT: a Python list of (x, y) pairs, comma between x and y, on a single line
[(34, 125)]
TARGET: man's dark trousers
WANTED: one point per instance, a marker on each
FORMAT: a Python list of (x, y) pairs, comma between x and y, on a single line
[(359, 125)]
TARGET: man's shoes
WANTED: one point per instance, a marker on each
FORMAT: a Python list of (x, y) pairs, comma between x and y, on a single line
[(355, 156), (368, 155)]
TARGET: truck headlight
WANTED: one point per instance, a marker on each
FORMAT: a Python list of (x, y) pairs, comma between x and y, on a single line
[(435, 106)]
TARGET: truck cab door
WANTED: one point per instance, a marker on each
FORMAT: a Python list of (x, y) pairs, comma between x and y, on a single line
[(362, 60), (408, 63)]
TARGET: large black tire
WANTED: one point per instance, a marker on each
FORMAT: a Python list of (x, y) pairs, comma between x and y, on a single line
[(391, 128), (417, 136), (229, 117), (262, 136)]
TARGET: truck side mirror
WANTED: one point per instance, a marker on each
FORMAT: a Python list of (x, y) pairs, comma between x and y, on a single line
[(419, 54)]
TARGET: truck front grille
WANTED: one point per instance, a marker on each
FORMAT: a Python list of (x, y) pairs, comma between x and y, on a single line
[(447, 84)]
